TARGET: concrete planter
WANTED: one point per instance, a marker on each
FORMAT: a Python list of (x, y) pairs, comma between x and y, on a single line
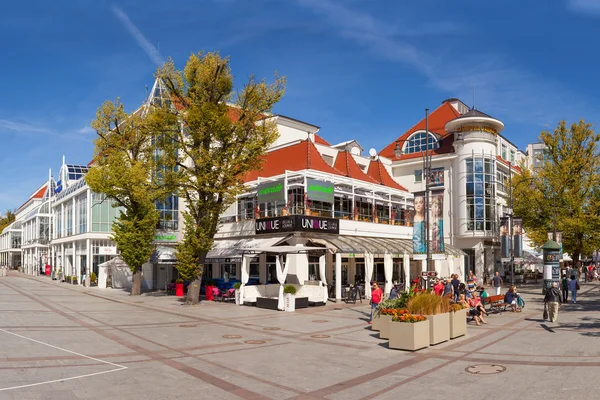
[(289, 302), (376, 322), (439, 328), (407, 336), (237, 297), (384, 326), (458, 323)]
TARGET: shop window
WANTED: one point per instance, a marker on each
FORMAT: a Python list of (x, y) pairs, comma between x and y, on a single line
[(271, 269), (359, 275), (228, 271), (208, 271), (313, 268), (343, 208), (255, 270), (379, 271)]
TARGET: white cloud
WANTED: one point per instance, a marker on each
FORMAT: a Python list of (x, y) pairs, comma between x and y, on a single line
[(502, 88), (584, 6), (86, 130), (20, 127), (138, 36)]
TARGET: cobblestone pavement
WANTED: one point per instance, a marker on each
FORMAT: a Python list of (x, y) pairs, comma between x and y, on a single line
[(59, 341)]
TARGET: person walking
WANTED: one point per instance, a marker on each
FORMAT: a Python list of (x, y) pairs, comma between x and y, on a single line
[(573, 288), (552, 300), (376, 297), (455, 282), (564, 285), (497, 283)]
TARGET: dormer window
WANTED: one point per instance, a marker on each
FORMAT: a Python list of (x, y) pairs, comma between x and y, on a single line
[(418, 142)]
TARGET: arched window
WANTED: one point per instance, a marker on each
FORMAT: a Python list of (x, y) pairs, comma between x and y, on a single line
[(417, 142)]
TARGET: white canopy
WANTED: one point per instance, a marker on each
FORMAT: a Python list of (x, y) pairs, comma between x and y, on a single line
[(282, 249)]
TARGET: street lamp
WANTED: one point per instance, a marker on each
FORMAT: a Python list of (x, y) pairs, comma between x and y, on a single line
[(426, 156)]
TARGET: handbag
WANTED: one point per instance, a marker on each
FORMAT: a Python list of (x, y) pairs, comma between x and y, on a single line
[(545, 316)]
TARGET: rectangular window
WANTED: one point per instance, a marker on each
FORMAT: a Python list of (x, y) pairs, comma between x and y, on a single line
[(481, 193), (504, 151), (418, 175), (512, 156)]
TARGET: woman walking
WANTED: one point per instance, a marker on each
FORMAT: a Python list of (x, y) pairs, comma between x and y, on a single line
[(573, 287)]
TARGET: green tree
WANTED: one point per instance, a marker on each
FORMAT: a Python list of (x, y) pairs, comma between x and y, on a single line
[(128, 169), (219, 136), (7, 219), (564, 192)]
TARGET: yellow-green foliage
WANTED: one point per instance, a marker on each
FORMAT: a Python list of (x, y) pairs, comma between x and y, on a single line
[(428, 304)]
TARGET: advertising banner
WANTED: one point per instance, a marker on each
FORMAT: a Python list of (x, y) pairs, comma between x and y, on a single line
[(418, 221), (320, 190), (270, 192), (436, 177), (518, 237), (436, 223), (504, 239)]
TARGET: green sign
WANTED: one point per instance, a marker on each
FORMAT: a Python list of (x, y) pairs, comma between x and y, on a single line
[(271, 192), (320, 191), (165, 237)]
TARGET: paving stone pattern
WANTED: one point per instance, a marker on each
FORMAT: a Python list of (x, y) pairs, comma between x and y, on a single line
[(60, 341)]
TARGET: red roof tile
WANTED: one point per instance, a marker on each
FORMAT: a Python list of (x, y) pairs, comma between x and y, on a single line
[(40, 193), (437, 122), (297, 157), (320, 140), (505, 162), (378, 172), (346, 164)]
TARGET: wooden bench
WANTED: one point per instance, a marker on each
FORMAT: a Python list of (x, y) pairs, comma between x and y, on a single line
[(495, 303)]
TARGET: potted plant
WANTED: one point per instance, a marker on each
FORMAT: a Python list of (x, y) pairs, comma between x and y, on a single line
[(385, 316), (409, 332), (289, 298), (179, 287), (237, 287), (458, 321), (399, 303), (435, 308)]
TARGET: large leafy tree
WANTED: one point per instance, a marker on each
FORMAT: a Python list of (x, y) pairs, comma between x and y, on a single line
[(128, 169), (7, 219), (564, 193), (218, 136)]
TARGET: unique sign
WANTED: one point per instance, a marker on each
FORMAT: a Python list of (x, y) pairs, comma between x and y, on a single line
[(297, 223), (270, 192), (320, 191)]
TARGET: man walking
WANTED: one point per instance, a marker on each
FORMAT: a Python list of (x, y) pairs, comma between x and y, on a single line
[(573, 285), (497, 283), (552, 299)]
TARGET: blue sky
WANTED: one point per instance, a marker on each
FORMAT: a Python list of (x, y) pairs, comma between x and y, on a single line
[(359, 69)]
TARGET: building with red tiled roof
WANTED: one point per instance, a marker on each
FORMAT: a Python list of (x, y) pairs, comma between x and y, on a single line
[(460, 155)]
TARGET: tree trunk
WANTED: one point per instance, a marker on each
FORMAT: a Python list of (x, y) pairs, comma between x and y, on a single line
[(136, 282), (193, 291)]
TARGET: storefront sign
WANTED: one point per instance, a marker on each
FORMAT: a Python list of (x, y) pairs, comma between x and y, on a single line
[(320, 190), (297, 223), (107, 250), (165, 237), (474, 128), (271, 192)]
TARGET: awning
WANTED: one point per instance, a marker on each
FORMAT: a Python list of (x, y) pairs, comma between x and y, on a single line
[(359, 245), (164, 255), (229, 250)]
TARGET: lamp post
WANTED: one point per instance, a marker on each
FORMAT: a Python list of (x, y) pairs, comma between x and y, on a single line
[(426, 157)]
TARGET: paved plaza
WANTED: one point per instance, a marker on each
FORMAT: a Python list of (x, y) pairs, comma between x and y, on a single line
[(59, 341)]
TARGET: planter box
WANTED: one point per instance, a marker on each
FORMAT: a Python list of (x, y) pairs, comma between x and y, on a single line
[(376, 322), (267, 302), (384, 326), (439, 328), (406, 336), (458, 323), (289, 302)]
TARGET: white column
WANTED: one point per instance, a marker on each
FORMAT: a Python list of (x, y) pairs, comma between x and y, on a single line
[(88, 250), (36, 261), (437, 264), (388, 265), (406, 262), (338, 276)]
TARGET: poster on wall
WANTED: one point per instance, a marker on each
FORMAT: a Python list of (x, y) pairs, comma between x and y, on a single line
[(518, 238), (504, 239), (418, 221), (436, 177), (436, 224)]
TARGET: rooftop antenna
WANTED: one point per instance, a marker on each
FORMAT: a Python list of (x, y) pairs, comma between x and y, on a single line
[(474, 97)]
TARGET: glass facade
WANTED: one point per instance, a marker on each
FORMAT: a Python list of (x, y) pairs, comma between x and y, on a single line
[(81, 212), (103, 213), (168, 213), (481, 193)]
